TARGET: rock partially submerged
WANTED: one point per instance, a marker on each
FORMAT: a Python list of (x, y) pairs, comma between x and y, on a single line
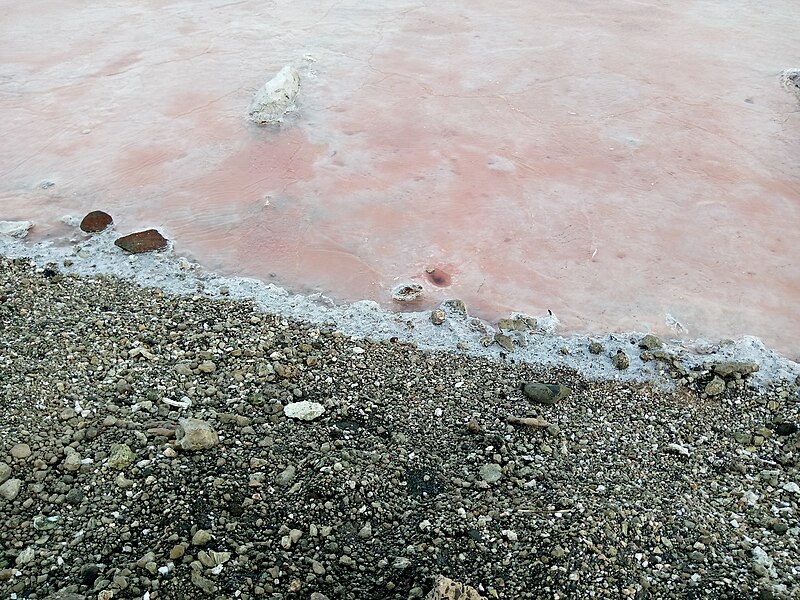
[(96, 221), (15, 229), (790, 79), (276, 97), (142, 241), (407, 292)]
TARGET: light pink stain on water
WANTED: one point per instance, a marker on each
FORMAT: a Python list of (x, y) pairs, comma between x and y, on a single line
[(613, 162)]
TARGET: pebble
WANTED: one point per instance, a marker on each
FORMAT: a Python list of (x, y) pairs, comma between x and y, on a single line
[(620, 360), (615, 489), (196, 435), (10, 489), (20, 451)]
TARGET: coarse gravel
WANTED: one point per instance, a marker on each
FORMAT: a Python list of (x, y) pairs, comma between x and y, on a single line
[(146, 452)]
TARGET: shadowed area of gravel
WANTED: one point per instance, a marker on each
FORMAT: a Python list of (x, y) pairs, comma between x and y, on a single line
[(413, 470)]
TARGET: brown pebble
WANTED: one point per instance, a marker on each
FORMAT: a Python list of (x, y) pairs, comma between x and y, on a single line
[(142, 241), (473, 426), (96, 221)]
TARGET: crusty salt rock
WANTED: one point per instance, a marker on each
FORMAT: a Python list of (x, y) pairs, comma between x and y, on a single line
[(276, 97), (96, 221), (304, 410), (142, 241), (16, 229)]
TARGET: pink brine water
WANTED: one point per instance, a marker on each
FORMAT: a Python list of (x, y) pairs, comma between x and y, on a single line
[(615, 162)]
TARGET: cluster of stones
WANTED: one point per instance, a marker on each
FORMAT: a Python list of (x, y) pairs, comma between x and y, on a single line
[(138, 242)]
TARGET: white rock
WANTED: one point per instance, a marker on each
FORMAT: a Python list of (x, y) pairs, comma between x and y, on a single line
[(16, 229), (276, 98), (304, 410)]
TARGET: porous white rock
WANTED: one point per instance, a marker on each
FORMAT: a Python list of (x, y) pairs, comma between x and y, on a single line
[(276, 97), (15, 229), (304, 410)]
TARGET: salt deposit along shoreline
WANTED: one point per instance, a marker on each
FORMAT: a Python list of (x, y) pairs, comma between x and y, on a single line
[(155, 445), (671, 361)]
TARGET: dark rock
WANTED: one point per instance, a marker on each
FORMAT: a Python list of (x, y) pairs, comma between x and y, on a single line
[(621, 360), (142, 241), (96, 221), (545, 393), (595, 347), (785, 428), (650, 342), (732, 367), (715, 387)]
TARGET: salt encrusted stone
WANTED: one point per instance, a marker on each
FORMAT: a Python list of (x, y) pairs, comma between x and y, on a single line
[(304, 410)]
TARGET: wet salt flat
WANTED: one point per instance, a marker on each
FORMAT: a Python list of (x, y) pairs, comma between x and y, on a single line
[(615, 162)]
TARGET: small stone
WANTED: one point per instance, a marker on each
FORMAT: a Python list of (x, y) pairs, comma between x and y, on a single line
[(454, 307), (780, 527), (715, 387), (791, 487), (407, 292), (783, 429), (5, 472), (304, 410), (491, 472), (650, 342), (621, 360), (504, 341), (438, 316), (204, 584), (195, 434), (178, 550), (72, 462), (545, 393), (20, 451), (728, 368), (142, 241), (201, 537), (445, 588), (595, 347), (318, 596), (26, 556), (121, 456), (75, 496), (473, 426), (365, 532), (10, 489), (96, 221), (207, 366), (286, 476)]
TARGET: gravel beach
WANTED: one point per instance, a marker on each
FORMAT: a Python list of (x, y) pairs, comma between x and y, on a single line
[(160, 446)]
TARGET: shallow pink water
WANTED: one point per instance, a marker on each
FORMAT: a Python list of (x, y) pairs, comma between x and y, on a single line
[(614, 162)]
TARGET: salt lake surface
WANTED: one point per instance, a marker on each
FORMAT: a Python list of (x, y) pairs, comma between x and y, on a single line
[(614, 162)]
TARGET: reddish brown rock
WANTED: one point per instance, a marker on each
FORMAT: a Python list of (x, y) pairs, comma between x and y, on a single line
[(142, 241), (95, 221)]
